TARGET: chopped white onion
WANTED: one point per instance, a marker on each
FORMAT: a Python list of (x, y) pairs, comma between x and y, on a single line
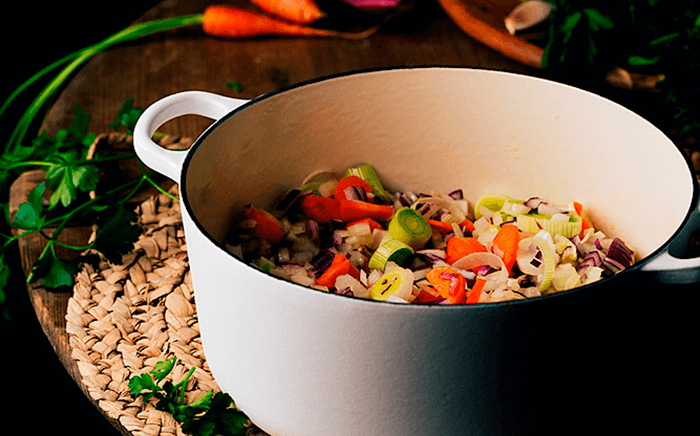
[(348, 281), (494, 280)]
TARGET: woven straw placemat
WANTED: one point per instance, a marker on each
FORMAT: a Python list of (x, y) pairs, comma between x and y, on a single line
[(122, 319)]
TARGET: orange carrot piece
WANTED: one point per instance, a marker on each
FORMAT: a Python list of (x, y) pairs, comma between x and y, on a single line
[(321, 209), (585, 222), (468, 224), (373, 224), (349, 182), (475, 291), (298, 11), (341, 265), (449, 283), (427, 294), (505, 244), (267, 226), (444, 227), (351, 210), (440, 226), (457, 248), (231, 22)]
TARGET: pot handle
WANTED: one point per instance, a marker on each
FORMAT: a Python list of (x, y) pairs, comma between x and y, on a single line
[(668, 267), (169, 162)]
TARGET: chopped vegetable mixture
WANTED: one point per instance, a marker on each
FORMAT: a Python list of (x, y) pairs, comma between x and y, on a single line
[(347, 235)]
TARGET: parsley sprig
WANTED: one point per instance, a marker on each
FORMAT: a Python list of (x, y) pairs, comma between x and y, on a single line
[(71, 176), (70, 172), (211, 413)]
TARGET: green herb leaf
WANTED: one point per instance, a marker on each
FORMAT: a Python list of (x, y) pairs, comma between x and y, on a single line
[(143, 382), (117, 232), (229, 420), (67, 180), (162, 369), (127, 117), (641, 60), (69, 144), (54, 272), (597, 20), (211, 413), (202, 403), (664, 39), (28, 215), (235, 85)]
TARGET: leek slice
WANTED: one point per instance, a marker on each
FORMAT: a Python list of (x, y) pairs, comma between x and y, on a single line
[(492, 202), (319, 182), (409, 227), (395, 282), (390, 250), (533, 223), (527, 250), (367, 173)]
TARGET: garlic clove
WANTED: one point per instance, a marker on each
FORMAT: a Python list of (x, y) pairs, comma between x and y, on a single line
[(527, 14)]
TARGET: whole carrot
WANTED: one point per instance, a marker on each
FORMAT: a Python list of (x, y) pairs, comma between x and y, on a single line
[(297, 11), (230, 22)]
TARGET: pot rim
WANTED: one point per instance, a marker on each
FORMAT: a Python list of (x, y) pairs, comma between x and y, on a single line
[(695, 200)]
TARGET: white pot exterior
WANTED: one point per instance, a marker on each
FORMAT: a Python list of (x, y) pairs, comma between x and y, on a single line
[(301, 362)]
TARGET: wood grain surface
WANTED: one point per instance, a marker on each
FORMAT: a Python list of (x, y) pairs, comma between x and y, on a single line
[(149, 69)]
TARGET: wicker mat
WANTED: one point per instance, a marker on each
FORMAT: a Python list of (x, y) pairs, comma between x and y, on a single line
[(122, 319)]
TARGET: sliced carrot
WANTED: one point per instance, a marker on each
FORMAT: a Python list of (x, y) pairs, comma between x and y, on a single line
[(458, 247), (440, 226), (468, 224), (267, 227), (298, 11), (475, 292), (321, 209), (444, 227), (341, 265), (585, 222), (373, 224), (349, 182), (505, 244), (427, 294), (351, 210), (449, 283)]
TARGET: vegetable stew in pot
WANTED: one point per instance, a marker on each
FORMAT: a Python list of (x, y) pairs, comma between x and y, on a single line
[(346, 234)]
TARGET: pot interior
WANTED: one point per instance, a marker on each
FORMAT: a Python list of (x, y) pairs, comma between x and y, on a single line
[(441, 129)]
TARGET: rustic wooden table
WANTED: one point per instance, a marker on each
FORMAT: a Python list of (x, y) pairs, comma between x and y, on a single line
[(151, 68)]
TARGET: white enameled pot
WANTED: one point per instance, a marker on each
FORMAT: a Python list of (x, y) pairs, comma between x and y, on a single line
[(302, 362)]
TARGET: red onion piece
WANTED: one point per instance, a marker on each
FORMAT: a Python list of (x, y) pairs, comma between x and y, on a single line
[(619, 256), (457, 194)]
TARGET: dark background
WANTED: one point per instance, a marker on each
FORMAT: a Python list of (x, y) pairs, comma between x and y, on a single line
[(39, 397)]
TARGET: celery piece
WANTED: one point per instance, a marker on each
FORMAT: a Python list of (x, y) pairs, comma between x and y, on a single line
[(534, 223), (367, 173)]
